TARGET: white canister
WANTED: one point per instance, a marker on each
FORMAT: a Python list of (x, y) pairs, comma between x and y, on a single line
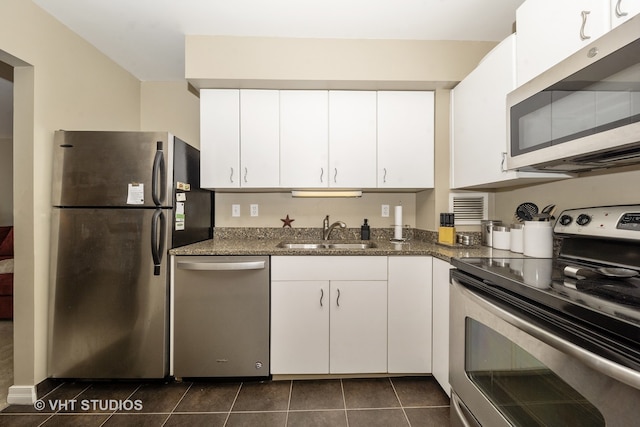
[(516, 242), (500, 237), (538, 239)]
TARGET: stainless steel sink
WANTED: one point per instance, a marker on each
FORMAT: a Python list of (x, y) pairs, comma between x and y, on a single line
[(326, 245)]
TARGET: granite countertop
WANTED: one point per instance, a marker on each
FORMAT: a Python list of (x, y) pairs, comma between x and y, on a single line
[(249, 244)]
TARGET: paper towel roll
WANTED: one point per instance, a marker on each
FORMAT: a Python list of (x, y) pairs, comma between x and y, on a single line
[(397, 224)]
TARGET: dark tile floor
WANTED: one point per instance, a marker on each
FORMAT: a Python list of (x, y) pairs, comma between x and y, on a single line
[(389, 402)]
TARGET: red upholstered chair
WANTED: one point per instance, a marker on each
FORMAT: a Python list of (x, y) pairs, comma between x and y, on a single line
[(6, 279)]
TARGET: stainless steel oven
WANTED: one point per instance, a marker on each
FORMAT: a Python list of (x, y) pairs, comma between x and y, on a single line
[(551, 342)]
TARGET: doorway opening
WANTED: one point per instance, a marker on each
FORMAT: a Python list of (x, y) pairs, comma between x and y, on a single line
[(6, 231)]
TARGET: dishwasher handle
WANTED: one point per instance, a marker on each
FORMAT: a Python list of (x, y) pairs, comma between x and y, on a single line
[(221, 266)]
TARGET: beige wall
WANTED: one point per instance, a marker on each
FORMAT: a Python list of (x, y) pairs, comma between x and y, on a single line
[(594, 189), (60, 82), (310, 212), (282, 63), (169, 106), (6, 181)]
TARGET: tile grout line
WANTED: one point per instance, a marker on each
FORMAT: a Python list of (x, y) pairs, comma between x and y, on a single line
[(400, 402), (114, 411), (344, 402), (286, 418), (178, 403), (235, 399)]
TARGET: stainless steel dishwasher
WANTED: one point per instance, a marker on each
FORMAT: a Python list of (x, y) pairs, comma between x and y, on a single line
[(221, 316)]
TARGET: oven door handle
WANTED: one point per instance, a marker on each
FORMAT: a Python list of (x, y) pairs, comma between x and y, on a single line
[(598, 363), (463, 413)]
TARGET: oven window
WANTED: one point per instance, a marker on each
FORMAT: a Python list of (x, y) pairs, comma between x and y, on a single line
[(523, 389)]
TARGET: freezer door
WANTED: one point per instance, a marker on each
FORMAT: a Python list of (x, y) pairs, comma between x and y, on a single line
[(112, 169), (108, 308)]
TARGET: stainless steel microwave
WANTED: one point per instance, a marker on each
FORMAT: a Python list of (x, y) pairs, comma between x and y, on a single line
[(583, 113)]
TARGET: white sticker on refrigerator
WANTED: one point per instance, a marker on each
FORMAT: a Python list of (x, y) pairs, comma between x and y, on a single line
[(135, 194), (179, 216)]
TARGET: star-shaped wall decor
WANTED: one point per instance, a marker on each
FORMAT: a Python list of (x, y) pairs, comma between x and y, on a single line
[(287, 221)]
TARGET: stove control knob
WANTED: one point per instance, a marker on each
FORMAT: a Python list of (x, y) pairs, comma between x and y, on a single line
[(565, 219), (583, 219)]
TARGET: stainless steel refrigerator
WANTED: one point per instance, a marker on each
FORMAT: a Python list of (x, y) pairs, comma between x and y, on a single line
[(120, 201)]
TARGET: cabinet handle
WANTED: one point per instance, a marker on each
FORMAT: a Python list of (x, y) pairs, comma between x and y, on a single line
[(585, 14), (504, 158), (231, 176), (384, 177), (245, 175), (321, 174), (321, 296), (338, 299), (335, 175), (619, 12)]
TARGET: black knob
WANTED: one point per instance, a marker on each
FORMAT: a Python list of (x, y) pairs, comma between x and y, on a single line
[(565, 220), (583, 219)]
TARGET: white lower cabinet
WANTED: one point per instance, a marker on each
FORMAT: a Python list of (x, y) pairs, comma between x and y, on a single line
[(328, 315), (350, 314), (441, 323), (409, 312), (358, 327)]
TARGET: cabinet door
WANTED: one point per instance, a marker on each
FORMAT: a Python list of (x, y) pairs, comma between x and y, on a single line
[(405, 139), (304, 138), (623, 10), (549, 31), (441, 323), (352, 139), (220, 138), (479, 119), (260, 138), (358, 327), (300, 327), (409, 314)]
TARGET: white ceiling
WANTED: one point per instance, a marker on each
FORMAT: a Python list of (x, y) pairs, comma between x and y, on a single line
[(146, 37)]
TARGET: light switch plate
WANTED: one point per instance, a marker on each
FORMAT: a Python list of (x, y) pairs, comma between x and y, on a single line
[(235, 210)]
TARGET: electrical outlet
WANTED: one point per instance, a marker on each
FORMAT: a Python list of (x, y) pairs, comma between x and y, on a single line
[(385, 210), (235, 210), (253, 210)]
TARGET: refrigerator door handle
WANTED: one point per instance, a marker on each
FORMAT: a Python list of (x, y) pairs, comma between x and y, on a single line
[(157, 247), (158, 190)]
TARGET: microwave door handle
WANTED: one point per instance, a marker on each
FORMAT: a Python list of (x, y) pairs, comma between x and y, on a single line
[(595, 362)]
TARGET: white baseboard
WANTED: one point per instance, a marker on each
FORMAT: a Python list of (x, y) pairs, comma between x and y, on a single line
[(22, 395)]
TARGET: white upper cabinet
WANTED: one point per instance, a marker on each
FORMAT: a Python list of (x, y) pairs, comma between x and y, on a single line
[(240, 137), (304, 137), (259, 138), (405, 139), (622, 10), (548, 31), (220, 138), (479, 137), (352, 139)]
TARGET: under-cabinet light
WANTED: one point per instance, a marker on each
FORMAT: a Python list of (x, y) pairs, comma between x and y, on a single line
[(326, 193)]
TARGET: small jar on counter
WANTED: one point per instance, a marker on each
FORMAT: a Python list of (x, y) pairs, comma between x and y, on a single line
[(501, 239), (516, 238)]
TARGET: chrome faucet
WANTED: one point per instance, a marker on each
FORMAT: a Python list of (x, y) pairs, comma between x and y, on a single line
[(327, 229)]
